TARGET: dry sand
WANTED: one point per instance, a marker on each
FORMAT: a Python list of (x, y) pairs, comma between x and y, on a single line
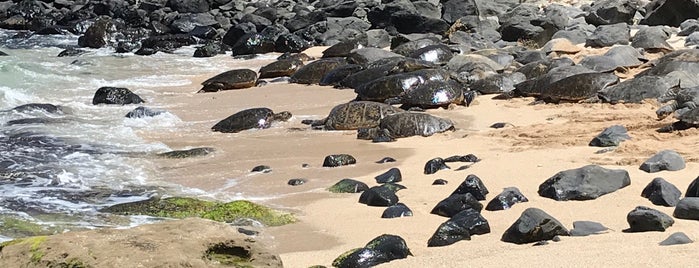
[(542, 140)]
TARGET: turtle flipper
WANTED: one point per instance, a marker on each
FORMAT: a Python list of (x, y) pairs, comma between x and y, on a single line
[(469, 96), (314, 123), (382, 135)]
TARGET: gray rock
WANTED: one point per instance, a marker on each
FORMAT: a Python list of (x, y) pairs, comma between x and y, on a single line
[(678, 238), (663, 160), (692, 39), (337, 160), (608, 35), (670, 12), (532, 226), (460, 227), (585, 183), (611, 136), (577, 36), (687, 208), (505, 200), (585, 228), (693, 189), (688, 27), (434, 165), (612, 11), (644, 219), (662, 193)]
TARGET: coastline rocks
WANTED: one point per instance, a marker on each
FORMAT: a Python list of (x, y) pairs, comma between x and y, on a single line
[(608, 35), (687, 208), (585, 228), (505, 200), (115, 95), (456, 203), (250, 118), (671, 13), (534, 225), (233, 79), (44, 107), (348, 186), (644, 219), (663, 160), (662, 193), (379, 196), (585, 183), (473, 185), (201, 151), (434, 165), (396, 211), (381, 249), (459, 227), (390, 176), (678, 238), (611, 136), (141, 112), (337, 160)]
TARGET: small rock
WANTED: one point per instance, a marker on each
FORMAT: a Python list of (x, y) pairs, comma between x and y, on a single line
[(392, 175), (540, 243), (663, 160), (644, 219), (473, 185), (379, 196), (532, 226), (678, 238), (435, 165), (687, 208), (261, 168), (296, 182), (662, 193), (456, 203), (337, 160), (304, 165), (611, 136), (348, 186), (499, 125), (505, 200), (460, 227), (585, 228), (396, 211), (440, 182), (386, 160)]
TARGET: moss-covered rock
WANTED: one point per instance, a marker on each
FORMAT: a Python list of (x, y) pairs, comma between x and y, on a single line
[(201, 151), (348, 186), (241, 209), (18, 228)]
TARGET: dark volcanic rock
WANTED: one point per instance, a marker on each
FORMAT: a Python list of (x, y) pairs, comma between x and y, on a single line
[(71, 52), (379, 196), (670, 12), (585, 228), (505, 200), (337, 160), (189, 6), (387, 159), (611, 12), (348, 186), (291, 43), (678, 238), (97, 35), (644, 219), (434, 165), (392, 175), (462, 158), (693, 189), (253, 43), (585, 183), (663, 160), (611, 136), (473, 185), (44, 107), (440, 182), (296, 182), (662, 193), (381, 249), (456, 203), (208, 50), (261, 168), (608, 35), (396, 211), (141, 112), (687, 208), (524, 22), (532, 226), (459, 227), (115, 95)]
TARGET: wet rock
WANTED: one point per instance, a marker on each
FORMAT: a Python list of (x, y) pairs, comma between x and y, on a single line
[(608, 35), (208, 50), (252, 43), (462, 158), (71, 52), (200, 151), (291, 43), (459, 227), (396, 211), (611, 136), (473, 185), (296, 182), (585, 183), (247, 232), (532, 226), (387, 159), (678, 238), (662, 193), (392, 175), (440, 182), (663, 160), (381, 249), (261, 168), (379, 196), (337, 160), (505, 200), (644, 219), (141, 112), (611, 12), (97, 35), (434, 165), (671, 13), (348, 186), (115, 95), (456, 203), (687, 208), (585, 228)]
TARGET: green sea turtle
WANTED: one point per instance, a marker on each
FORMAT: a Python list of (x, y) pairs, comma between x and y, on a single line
[(384, 67), (433, 93), (250, 118), (280, 68), (534, 87), (397, 84), (354, 115), (335, 76), (688, 119), (678, 100), (233, 79), (577, 88), (314, 71), (405, 124)]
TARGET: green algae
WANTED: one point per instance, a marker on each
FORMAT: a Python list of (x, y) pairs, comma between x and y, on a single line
[(348, 186), (241, 209), (229, 255)]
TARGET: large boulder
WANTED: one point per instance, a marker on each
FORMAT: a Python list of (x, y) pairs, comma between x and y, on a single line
[(459, 227), (534, 225), (644, 219), (189, 6), (379, 196), (98, 34), (670, 12), (525, 22), (585, 183), (662, 193)]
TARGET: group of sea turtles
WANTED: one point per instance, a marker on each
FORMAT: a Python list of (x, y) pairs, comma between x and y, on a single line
[(394, 87)]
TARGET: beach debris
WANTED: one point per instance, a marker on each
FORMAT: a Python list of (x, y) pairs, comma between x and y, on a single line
[(456, 203), (354, 115), (585, 228), (296, 182), (578, 88), (115, 95), (348, 186), (336, 160), (387, 159), (280, 68), (645, 219), (505, 200), (434, 165), (687, 208), (396, 211), (379, 196), (693, 189), (440, 182), (609, 35), (314, 71), (610, 137), (585, 183), (261, 168), (678, 238), (233, 79), (462, 158), (260, 118), (663, 160), (392, 175), (532, 226), (459, 227), (405, 124), (199, 151), (662, 193), (142, 112), (473, 185), (382, 249)]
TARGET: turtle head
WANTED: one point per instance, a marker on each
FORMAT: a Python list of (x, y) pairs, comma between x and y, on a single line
[(282, 116), (664, 111)]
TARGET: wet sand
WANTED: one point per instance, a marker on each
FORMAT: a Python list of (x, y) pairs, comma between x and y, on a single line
[(541, 141)]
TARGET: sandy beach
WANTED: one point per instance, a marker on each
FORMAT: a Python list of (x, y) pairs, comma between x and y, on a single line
[(540, 141)]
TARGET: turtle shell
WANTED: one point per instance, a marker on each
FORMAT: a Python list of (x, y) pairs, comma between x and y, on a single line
[(433, 93), (578, 87), (626, 56), (280, 68), (397, 84), (245, 119), (408, 124), (690, 117), (358, 114), (233, 79), (652, 38), (313, 72), (437, 54), (599, 63)]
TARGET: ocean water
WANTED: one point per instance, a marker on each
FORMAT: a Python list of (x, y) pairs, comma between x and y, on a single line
[(61, 167)]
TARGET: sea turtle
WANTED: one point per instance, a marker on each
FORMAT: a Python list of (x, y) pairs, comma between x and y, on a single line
[(397, 84), (405, 124), (410, 47), (342, 49), (433, 93), (577, 88), (688, 119), (599, 63), (299, 56), (368, 55), (536, 69), (497, 83), (354, 115), (685, 60), (280, 68), (312, 72), (335, 76), (382, 68), (437, 54), (636, 89), (534, 87), (250, 118), (626, 56), (680, 100), (233, 79)]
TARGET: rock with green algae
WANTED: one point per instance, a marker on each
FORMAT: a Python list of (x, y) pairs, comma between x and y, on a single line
[(348, 186), (201, 151), (232, 211), (18, 228)]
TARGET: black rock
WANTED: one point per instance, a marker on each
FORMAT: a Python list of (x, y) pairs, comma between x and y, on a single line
[(532, 226), (141, 112), (337, 160), (44, 107), (505, 200), (396, 211), (456, 203), (693, 189), (670, 12), (3, 54), (261, 168), (393, 246), (662, 193), (687, 208), (392, 175), (525, 22), (644, 219), (291, 43), (200, 151), (440, 182), (252, 43), (585, 183), (434, 165), (611, 12), (608, 35), (678, 238), (208, 50), (115, 95), (348, 186), (459, 227), (585, 228), (189, 6), (473, 185), (663, 160), (386, 160), (247, 232), (462, 158), (499, 125), (379, 196), (97, 35), (381, 249), (71, 52), (235, 33), (296, 182), (611, 136)]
